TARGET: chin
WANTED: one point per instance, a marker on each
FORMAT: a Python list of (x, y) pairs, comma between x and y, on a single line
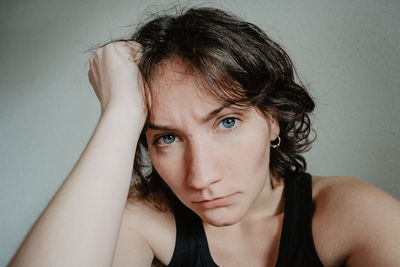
[(220, 217)]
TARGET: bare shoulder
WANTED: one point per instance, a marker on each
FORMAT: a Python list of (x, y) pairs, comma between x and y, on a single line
[(155, 226), (355, 222)]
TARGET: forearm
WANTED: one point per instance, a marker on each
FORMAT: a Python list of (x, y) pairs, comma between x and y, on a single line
[(80, 225)]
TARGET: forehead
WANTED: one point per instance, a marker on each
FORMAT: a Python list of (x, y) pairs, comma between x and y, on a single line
[(174, 87), (171, 73)]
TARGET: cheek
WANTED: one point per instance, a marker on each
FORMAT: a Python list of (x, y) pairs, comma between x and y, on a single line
[(261, 150), (253, 150), (250, 160), (169, 168)]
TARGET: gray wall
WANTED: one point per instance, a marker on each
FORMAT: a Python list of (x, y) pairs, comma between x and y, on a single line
[(347, 52)]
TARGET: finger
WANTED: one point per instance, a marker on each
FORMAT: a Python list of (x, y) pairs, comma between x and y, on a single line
[(134, 49), (137, 57), (134, 45), (131, 45)]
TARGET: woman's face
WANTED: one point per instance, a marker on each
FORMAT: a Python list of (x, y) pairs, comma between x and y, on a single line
[(214, 159)]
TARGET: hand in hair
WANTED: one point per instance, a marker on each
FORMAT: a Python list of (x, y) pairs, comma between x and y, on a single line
[(115, 76)]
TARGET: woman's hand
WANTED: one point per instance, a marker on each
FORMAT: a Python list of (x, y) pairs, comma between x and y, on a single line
[(115, 76)]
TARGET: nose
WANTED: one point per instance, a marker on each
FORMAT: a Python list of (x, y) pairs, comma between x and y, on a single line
[(202, 169)]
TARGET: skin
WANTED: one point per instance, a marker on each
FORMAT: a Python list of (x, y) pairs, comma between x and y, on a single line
[(89, 205), (203, 160), (353, 223)]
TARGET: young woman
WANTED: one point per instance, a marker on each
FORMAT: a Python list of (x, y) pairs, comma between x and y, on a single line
[(214, 104)]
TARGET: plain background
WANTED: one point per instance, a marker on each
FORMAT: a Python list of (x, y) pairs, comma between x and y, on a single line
[(346, 52)]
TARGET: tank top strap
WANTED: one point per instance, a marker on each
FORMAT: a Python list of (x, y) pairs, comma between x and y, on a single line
[(297, 247)]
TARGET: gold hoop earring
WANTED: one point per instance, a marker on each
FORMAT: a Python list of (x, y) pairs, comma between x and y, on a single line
[(273, 145)]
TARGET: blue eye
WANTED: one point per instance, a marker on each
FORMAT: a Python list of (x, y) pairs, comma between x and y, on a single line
[(228, 122), (168, 139)]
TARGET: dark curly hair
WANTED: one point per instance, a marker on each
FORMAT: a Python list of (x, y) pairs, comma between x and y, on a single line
[(236, 62)]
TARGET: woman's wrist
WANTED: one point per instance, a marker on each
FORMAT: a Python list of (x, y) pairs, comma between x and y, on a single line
[(129, 112)]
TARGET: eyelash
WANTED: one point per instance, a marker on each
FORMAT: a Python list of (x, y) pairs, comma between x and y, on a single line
[(226, 129)]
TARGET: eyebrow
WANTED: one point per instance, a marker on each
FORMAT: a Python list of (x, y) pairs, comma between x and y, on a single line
[(210, 115)]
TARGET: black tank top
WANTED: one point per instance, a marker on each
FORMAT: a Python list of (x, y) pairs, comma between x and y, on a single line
[(296, 247)]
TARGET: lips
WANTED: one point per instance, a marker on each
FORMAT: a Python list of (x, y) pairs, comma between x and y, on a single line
[(216, 202)]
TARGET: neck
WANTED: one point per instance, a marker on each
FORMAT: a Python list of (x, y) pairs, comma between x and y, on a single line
[(270, 201)]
